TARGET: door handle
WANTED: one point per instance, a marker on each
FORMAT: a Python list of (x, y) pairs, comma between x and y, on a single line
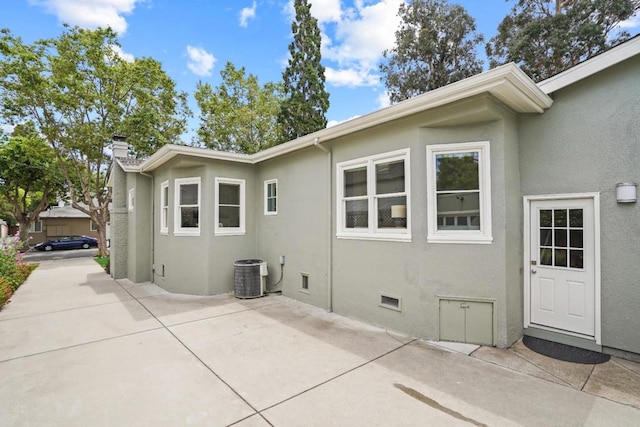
[(534, 271)]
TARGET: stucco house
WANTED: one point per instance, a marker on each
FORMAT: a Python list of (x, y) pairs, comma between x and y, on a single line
[(61, 220), (477, 212)]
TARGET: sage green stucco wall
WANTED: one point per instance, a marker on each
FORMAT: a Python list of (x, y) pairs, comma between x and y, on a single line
[(301, 230), (201, 265), (419, 272), (139, 228), (588, 142)]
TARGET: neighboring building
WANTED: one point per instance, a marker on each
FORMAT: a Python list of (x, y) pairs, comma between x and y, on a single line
[(477, 212), (61, 220), (4, 228)]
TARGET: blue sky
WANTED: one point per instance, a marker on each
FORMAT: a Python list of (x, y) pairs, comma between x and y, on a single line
[(193, 39)]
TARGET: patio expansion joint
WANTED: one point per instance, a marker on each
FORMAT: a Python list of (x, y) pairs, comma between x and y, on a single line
[(207, 367), (340, 375), (82, 344), (564, 383), (65, 309)]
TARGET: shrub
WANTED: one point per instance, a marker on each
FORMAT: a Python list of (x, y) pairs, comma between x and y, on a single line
[(5, 290), (10, 260)]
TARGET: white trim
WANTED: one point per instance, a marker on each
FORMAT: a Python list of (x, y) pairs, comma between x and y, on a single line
[(164, 208), (229, 231), (526, 200), (591, 66), (482, 236), (372, 232), (131, 201), (178, 230), (266, 196)]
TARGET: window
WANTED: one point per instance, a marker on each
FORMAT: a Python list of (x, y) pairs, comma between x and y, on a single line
[(36, 226), (459, 193), (271, 197), (164, 207), (373, 197), (230, 207), (132, 199), (305, 283), (187, 207), (92, 226)]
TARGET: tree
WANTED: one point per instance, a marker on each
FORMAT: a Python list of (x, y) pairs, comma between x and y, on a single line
[(305, 99), (29, 176), (435, 46), (239, 115), (545, 37), (80, 92)]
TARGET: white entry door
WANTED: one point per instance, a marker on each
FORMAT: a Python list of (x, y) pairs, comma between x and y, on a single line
[(562, 265)]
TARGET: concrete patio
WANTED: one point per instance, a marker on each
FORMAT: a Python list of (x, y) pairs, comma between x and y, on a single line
[(77, 348)]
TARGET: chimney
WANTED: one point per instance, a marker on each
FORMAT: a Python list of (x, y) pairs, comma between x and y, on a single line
[(120, 147)]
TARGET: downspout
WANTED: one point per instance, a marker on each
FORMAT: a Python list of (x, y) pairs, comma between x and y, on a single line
[(153, 226), (316, 143)]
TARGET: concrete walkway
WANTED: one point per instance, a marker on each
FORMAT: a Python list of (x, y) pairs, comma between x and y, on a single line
[(77, 348)]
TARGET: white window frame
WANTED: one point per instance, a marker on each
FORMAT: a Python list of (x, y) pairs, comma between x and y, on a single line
[(482, 236), (92, 226), (178, 230), (33, 228), (373, 232), (164, 208), (229, 231), (267, 183), (131, 202)]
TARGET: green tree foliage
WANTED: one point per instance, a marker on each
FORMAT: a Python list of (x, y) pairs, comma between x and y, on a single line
[(458, 172), (545, 37), (435, 46), (29, 176), (239, 115), (79, 92), (305, 99)]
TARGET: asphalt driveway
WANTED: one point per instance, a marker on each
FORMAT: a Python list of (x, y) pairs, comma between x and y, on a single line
[(77, 348)]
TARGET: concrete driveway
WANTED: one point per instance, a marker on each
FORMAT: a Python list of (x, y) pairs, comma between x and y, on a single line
[(77, 348)]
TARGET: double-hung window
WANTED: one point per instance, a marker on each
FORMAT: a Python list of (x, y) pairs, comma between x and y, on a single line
[(459, 193), (230, 206), (187, 207), (164, 207), (36, 226), (374, 197), (271, 197)]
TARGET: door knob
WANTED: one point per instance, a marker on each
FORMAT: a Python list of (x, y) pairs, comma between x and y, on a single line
[(534, 271)]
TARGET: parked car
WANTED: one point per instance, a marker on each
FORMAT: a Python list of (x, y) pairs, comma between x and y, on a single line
[(68, 242)]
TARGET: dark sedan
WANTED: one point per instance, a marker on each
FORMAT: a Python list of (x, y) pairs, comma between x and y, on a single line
[(68, 242)]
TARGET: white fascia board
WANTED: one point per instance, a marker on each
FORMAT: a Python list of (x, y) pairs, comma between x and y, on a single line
[(169, 151), (592, 66)]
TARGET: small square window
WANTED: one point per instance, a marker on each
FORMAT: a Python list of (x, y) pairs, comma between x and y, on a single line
[(271, 197)]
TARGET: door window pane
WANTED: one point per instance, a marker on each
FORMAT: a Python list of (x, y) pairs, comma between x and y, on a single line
[(546, 257), (560, 217), (575, 218), (576, 238), (576, 258), (545, 218), (545, 237), (561, 238), (560, 257)]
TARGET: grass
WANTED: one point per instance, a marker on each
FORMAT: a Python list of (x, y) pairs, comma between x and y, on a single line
[(102, 260)]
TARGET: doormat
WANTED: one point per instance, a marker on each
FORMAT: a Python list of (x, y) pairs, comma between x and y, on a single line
[(564, 352)]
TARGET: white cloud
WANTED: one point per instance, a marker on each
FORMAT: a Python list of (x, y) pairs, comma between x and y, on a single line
[(332, 123), (351, 77), (323, 10), (632, 22), (247, 13), (200, 62), (122, 54), (7, 129), (383, 100), (91, 13)]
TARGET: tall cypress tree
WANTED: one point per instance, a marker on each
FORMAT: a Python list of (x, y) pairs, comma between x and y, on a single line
[(305, 99)]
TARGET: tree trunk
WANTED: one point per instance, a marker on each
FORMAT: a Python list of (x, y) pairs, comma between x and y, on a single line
[(23, 233)]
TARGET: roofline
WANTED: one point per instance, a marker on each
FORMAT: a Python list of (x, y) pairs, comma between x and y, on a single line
[(506, 83), (591, 66)]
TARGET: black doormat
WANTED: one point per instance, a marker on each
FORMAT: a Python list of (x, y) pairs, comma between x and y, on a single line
[(564, 352)]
